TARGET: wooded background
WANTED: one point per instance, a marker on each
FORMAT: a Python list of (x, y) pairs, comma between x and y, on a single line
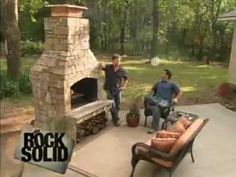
[(187, 28)]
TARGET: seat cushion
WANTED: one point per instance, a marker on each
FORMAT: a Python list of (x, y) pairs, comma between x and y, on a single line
[(163, 144), (185, 121), (167, 134), (177, 127), (187, 136)]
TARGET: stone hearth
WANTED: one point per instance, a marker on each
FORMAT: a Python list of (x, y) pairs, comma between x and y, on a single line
[(67, 61)]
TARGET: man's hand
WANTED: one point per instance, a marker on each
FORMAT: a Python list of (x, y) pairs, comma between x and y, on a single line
[(102, 65), (175, 100), (124, 85), (122, 88)]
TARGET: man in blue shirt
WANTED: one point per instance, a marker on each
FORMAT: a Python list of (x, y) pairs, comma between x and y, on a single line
[(163, 94)]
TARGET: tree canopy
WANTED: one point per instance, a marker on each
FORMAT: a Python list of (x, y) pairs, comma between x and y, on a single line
[(142, 27)]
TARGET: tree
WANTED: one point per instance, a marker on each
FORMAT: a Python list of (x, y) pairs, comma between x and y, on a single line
[(144, 27), (121, 9), (155, 23), (12, 36), (123, 26), (214, 7)]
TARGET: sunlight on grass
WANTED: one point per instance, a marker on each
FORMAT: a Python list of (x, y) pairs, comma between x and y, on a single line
[(134, 68), (138, 61), (213, 77), (188, 89), (203, 66), (127, 61), (163, 61)]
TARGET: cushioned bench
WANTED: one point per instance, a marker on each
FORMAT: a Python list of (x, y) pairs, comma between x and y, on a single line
[(170, 160)]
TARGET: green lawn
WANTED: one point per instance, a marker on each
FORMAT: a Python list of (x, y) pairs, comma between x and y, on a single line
[(198, 82)]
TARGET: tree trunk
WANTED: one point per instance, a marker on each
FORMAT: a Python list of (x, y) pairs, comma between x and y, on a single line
[(105, 25), (12, 37), (214, 13), (200, 48), (122, 30), (155, 28), (193, 50), (181, 43)]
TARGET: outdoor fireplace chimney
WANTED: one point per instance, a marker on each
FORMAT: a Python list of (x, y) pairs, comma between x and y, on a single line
[(67, 59)]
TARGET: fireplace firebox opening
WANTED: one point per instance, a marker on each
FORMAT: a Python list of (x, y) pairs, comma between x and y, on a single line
[(84, 92)]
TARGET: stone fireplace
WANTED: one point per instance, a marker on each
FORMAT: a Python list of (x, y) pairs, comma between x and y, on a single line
[(66, 78)]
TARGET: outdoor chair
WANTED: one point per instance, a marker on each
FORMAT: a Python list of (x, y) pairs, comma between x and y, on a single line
[(170, 160), (164, 113)]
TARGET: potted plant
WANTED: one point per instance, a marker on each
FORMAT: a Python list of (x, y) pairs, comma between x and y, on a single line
[(133, 116)]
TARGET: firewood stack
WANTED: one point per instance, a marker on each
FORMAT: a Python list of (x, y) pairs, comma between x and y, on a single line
[(91, 126)]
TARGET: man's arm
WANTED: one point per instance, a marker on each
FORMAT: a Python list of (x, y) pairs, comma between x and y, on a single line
[(151, 92), (125, 83), (153, 89), (126, 80), (178, 93)]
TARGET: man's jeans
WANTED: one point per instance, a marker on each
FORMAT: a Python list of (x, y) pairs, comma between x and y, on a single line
[(116, 104), (156, 110)]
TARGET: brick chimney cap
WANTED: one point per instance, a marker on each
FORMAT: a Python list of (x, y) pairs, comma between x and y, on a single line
[(68, 6), (66, 10)]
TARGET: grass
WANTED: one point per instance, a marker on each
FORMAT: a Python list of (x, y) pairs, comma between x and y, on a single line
[(198, 82), (27, 62)]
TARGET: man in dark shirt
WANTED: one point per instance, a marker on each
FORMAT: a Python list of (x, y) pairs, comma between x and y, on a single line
[(163, 94), (116, 80)]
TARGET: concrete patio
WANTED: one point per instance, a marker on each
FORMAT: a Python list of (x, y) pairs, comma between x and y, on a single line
[(108, 153), (215, 153)]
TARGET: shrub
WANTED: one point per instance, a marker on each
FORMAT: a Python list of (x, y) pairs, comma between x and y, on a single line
[(31, 48), (225, 89), (12, 88), (25, 84), (9, 87)]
